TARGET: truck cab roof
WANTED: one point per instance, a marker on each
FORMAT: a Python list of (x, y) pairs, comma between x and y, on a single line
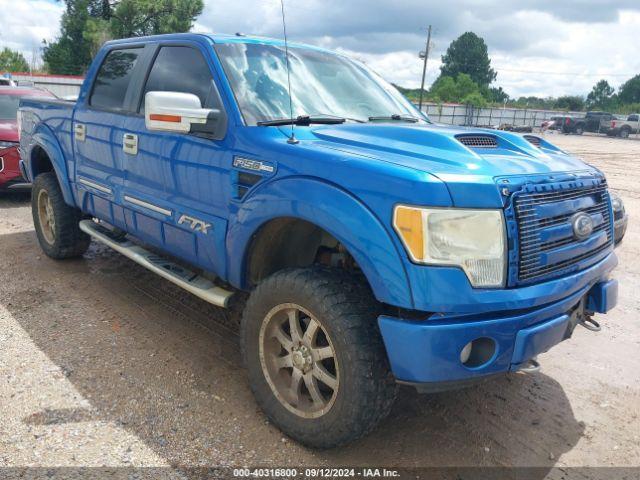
[(217, 38)]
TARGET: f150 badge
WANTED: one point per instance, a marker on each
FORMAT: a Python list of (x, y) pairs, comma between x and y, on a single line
[(195, 224), (255, 165)]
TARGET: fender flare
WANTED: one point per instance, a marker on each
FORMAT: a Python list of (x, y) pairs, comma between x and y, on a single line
[(45, 139), (344, 217)]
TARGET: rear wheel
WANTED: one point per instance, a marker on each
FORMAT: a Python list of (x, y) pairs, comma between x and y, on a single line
[(315, 358), (56, 223)]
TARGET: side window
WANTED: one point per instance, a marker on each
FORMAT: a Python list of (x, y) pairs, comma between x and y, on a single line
[(632, 118), (112, 80), (182, 69)]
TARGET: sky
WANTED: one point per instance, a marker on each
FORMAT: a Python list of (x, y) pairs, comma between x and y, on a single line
[(542, 47)]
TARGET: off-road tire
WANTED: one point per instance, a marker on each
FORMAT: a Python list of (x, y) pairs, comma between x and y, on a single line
[(348, 312), (579, 130), (68, 240), (624, 132)]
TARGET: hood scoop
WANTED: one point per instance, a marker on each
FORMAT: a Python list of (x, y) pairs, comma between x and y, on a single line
[(533, 140), (478, 141)]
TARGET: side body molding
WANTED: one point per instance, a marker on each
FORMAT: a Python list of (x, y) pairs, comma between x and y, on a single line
[(336, 211)]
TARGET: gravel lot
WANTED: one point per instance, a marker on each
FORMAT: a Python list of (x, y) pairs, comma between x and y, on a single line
[(105, 364)]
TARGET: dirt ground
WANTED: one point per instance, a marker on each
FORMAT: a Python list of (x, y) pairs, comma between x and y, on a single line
[(105, 364)]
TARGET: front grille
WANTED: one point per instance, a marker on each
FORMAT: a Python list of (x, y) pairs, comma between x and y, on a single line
[(547, 246), (478, 141), (533, 140)]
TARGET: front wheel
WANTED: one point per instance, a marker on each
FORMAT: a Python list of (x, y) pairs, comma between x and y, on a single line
[(56, 223), (316, 362), (579, 130), (624, 133)]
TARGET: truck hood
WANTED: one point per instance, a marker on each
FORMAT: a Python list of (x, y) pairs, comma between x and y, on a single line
[(8, 131), (438, 151)]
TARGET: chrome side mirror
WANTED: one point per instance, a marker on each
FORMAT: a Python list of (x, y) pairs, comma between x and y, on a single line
[(181, 113)]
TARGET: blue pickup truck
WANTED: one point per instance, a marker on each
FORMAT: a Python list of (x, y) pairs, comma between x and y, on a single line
[(373, 246)]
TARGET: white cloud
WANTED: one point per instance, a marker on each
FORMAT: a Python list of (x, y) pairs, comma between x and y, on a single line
[(27, 22), (591, 38), (586, 37)]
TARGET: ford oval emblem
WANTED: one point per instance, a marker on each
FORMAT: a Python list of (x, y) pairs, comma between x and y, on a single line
[(582, 226)]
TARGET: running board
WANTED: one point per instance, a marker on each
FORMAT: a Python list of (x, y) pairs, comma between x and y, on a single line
[(190, 281)]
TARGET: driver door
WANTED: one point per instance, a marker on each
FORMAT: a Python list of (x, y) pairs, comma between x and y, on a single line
[(175, 181)]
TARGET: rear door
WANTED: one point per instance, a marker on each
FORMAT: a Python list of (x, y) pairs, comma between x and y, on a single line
[(176, 180), (98, 130)]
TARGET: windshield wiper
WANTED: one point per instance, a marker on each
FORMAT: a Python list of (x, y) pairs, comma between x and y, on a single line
[(349, 119), (303, 120), (395, 117)]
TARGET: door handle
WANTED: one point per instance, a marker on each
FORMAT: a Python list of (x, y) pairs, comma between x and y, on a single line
[(130, 143), (80, 132)]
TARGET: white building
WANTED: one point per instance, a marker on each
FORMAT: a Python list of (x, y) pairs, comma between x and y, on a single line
[(59, 85)]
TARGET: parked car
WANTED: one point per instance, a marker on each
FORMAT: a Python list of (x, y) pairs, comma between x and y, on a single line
[(597, 122), (7, 82), (10, 175), (567, 124), (624, 128), (375, 247)]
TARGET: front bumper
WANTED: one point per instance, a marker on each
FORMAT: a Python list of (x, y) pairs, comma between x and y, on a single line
[(428, 352)]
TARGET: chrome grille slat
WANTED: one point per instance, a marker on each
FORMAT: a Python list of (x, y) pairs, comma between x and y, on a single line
[(531, 223), (555, 221), (549, 269), (554, 196)]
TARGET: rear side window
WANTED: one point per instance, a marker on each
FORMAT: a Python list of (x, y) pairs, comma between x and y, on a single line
[(113, 78), (182, 69)]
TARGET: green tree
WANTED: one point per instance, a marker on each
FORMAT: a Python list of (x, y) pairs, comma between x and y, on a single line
[(12, 61), (534, 102), (601, 96), (87, 24), (444, 89), (71, 53), (465, 86), (460, 89), (574, 103), (495, 94), (629, 92), (468, 54), (475, 98), (132, 18)]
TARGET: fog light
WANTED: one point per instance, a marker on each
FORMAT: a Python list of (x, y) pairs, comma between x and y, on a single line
[(478, 352)]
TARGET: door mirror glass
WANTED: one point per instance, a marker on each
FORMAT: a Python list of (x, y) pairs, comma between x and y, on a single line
[(179, 112)]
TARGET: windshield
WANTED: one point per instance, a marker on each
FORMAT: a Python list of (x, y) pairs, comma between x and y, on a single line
[(321, 84), (9, 107)]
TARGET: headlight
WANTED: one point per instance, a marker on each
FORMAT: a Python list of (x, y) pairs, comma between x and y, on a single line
[(473, 240), (616, 203)]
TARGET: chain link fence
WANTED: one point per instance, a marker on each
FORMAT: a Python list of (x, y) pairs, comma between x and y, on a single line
[(468, 115), (508, 118)]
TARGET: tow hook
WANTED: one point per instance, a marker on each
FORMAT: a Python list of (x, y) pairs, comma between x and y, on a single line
[(531, 366), (590, 324)]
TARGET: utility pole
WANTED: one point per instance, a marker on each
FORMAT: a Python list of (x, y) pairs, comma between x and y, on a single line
[(424, 55)]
